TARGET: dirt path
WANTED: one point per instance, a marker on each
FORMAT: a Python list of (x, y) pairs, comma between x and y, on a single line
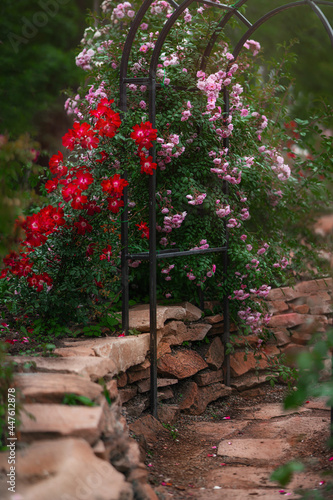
[(214, 456)]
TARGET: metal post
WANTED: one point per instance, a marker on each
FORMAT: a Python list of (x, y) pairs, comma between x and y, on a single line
[(124, 263), (152, 261)]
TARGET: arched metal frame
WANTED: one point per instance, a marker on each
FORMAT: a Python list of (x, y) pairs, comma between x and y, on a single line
[(229, 11)]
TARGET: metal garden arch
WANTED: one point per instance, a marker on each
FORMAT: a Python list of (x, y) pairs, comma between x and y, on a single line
[(228, 12)]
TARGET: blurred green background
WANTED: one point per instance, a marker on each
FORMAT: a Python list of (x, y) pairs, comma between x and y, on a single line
[(38, 43)]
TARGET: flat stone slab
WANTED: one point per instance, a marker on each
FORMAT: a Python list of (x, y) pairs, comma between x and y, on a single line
[(123, 351), (40, 421), (51, 387), (256, 477), (240, 494), (248, 381), (215, 354), (196, 332), (87, 366), (181, 365), (265, 412), (293, 428), (67, 352), (254, 449), (212, 320), (317, 404), (144, 385), (219, 430), (208, 377), (195, 399), (239, 365), (290, 320), (242, 477), (139, 318), (193, 313)]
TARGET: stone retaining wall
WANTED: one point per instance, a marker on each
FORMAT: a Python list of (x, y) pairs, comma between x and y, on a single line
[(74, 452), (191, 371)]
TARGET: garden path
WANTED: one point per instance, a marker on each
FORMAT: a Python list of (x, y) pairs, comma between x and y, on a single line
[(214, 456)]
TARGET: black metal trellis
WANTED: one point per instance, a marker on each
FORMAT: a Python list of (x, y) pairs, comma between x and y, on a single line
[(229, 11)]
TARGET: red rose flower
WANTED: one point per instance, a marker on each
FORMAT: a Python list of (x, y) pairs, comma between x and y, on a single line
[(83, 226), (114, 204)]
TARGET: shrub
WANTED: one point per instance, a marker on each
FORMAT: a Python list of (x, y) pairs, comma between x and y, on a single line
[(69, 265)]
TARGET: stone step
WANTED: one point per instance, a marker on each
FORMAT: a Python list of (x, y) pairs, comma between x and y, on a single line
[(257, 477), (268, 411), (123, 351), (242, 494), (51, 387), (64, 469), (87, 366), (40, 421)]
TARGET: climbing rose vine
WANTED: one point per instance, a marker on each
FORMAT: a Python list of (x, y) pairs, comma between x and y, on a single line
[(68, 267)]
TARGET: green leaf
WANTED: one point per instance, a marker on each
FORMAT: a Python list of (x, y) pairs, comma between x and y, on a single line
[(75, 399), (50, 347), (283, 475)]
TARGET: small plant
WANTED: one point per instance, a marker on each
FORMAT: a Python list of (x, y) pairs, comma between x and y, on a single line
[(75, 399), (46, 331), (199, 343), (40, 349), (133, 331), (213, 414), (92, 331), (29, 366), (106, 394), (230, 348), (280, 371), (172, 429)]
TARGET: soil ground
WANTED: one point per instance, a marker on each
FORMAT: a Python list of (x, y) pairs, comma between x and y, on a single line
[(192, 459)]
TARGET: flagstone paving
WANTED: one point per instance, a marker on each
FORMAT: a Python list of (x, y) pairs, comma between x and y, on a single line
[(253, 450), (231, 451)]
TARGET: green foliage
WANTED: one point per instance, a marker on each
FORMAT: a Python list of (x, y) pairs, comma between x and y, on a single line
[(312, 73), (280, 371), (310, 384), (75, 399), (47, 329), (173, 431), (40, 348), (19, 172), (92, 331), (284, 474), (6, 382), (37, 50), (106, 394), (133, 331), (310, 366)]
